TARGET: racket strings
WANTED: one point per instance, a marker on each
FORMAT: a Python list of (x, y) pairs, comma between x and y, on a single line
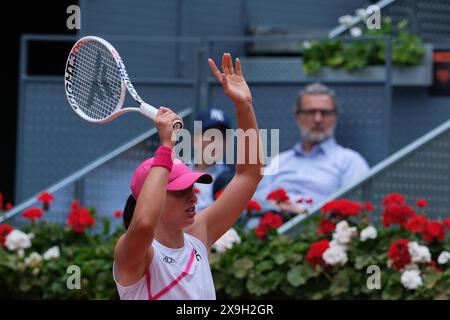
[(97, 84)]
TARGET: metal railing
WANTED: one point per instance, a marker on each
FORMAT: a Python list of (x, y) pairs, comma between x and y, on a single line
[(356, 19)]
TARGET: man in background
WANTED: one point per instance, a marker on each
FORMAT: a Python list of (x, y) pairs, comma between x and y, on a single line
[(317, 165), (221, 173)]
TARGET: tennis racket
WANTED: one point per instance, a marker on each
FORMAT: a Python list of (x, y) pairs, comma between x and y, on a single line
[(96, 82)]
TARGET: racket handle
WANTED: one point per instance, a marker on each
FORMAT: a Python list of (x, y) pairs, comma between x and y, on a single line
[(151, 112), (177, 126), (148, 111)]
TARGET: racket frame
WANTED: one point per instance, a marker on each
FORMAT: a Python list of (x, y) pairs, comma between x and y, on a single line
[(144, 108)]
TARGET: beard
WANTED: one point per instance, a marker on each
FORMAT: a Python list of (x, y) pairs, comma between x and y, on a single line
[(316, 134)]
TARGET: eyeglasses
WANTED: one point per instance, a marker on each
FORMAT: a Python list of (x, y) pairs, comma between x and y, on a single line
[(312, 112)]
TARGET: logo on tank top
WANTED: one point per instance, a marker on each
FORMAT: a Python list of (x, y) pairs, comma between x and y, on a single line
[(198, 257), (169, 260)]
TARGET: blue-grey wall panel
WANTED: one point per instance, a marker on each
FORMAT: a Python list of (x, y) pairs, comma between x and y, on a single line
[(427, 19), (414, 113), (206, 18), (54, 141), (131, 17), (311, 15), (212, 18)]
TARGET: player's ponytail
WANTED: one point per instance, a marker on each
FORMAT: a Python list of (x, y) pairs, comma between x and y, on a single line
[(128, 211)]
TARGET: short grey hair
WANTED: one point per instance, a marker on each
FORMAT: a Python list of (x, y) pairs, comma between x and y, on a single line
[(315, 88)]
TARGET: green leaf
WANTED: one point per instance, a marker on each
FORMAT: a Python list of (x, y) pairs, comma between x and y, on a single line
[(234, 288), (296, 276), (241, 267), (318, 295), (312, 67), (392, 292), (362, 261), (106, 226), (261, 284), (295, 258), (280, 258), (309, 271), (263, 266), (340, 284), (430, 279), (335, 60)]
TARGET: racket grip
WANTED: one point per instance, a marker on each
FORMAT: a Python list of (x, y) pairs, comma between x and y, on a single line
[(151, 112), (148, 110), (177, 126)]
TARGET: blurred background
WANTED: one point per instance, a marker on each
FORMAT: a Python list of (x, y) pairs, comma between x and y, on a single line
[(165, 43)]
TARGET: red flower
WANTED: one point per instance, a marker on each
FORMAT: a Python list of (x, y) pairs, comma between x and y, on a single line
[(314, 255), (279, 195), (45, 197), (5, 229), (8, 206), (80, 219), (269, 220), (254, 205), (325, 227), (32, 213), (196, 190), (218, 194), (398, 253), (422, 203), (309, 200), (369, 206), (75, 204), (118, 213), (299, 200), (272, 219), (393, 198), (446, 222), (343, 207), (395, 213), (416, 224), (261, 230), (434, 231)]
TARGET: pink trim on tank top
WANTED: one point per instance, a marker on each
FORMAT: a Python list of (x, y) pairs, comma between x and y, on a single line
[(172, 284)]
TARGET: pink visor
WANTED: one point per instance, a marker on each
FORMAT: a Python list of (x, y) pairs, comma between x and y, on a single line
[(180, 178)]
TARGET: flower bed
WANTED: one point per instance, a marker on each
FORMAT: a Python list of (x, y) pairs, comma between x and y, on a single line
[(35, 262), (340, 255), (330, 258)]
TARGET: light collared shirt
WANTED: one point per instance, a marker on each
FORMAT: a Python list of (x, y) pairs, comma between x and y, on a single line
[(317, 174)]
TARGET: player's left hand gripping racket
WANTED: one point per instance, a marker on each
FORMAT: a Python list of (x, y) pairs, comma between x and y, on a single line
[(95, 82)]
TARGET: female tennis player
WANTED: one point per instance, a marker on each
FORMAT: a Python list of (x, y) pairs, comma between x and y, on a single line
[(164, 252)]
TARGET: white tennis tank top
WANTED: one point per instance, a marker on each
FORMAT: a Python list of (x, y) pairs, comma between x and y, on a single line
[(173, 274)]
